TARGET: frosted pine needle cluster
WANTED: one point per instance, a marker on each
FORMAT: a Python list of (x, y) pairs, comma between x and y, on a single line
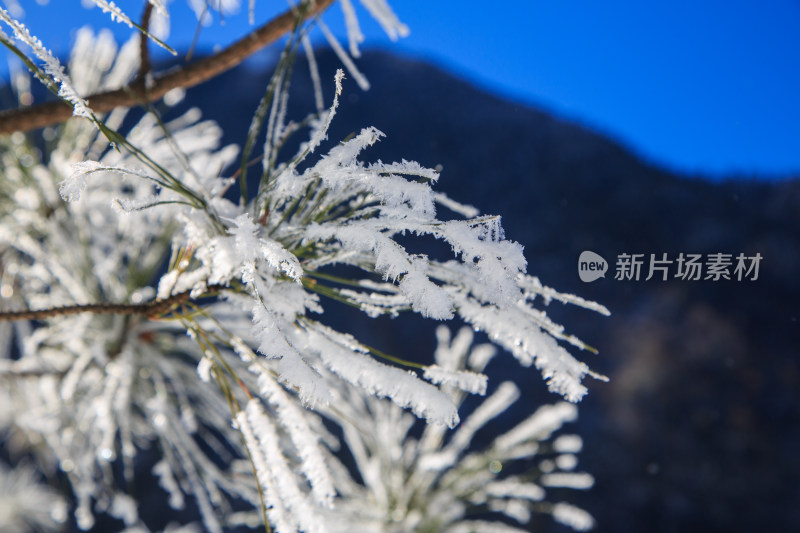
[(206, 335), (454, 481), (53, 74)]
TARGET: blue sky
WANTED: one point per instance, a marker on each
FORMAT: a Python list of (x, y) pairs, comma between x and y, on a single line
[(711, 87)]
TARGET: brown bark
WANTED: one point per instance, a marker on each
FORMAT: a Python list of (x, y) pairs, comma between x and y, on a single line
[(148, 310), (39, 116)]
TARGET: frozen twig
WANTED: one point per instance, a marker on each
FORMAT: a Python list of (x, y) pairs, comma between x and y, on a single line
[(39, 116), (149, 309)]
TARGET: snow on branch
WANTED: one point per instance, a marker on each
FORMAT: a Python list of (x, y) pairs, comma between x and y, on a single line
[(208, 339)]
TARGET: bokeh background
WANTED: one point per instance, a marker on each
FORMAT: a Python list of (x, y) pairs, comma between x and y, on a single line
[(617, 127)]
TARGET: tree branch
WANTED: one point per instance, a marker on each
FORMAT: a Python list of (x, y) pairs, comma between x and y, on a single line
[(148, 310), (39, 116), (144, 50)]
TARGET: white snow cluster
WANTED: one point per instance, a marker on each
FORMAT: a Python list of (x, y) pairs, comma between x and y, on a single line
[(237, 373)]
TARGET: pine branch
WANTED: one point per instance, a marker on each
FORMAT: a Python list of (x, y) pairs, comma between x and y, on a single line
[(39, 116), (149, 309), (144, 50)]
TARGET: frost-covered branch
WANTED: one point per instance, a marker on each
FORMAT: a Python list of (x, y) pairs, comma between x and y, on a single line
[(149, 309), (39, 116), (239, 393)]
